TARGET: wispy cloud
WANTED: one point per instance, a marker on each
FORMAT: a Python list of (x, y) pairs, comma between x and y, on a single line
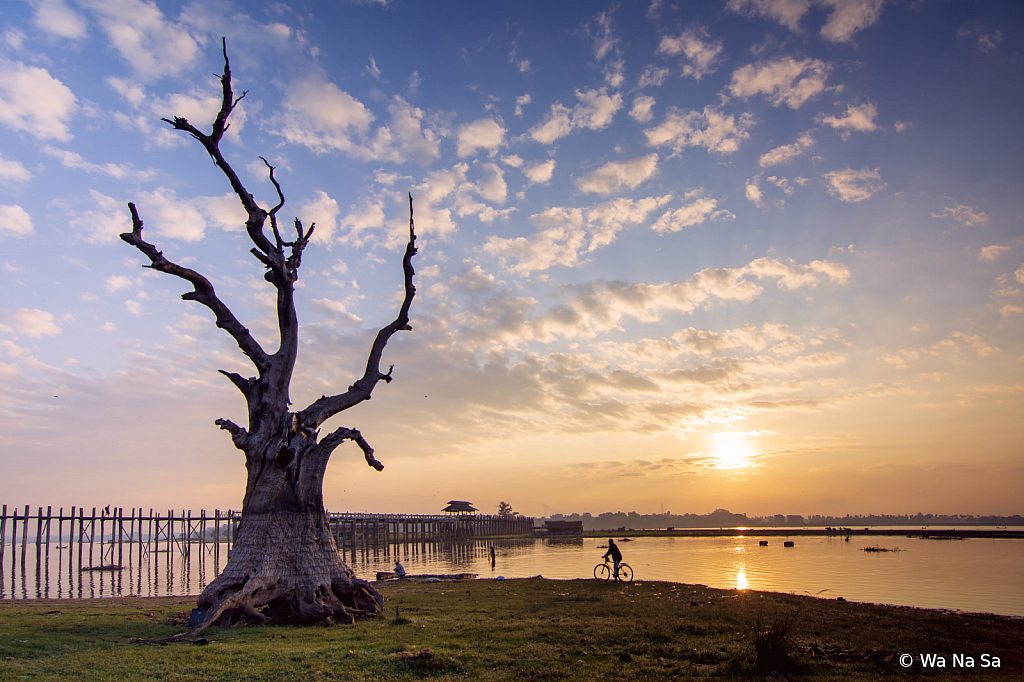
[(853, 186)]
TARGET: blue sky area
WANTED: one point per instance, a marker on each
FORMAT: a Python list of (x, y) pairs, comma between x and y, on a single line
[(764, 255)]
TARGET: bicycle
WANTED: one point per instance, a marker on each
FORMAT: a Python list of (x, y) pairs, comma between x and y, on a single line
[(604, 572)]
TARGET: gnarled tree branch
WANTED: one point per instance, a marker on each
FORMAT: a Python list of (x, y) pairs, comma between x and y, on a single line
[(338, 436), (203, 293), (328, 406)]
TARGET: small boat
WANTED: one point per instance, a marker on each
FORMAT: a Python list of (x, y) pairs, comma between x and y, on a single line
[(388, 575)]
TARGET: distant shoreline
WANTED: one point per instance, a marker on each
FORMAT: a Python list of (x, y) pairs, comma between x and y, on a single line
[(928, 533)]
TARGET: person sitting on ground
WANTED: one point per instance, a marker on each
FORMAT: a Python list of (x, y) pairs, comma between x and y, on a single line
[(399, 569), (615, 554)]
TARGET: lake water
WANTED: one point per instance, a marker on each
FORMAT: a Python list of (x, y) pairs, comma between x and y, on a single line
[(977, 575)]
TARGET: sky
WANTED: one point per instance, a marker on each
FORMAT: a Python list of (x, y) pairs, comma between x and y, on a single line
[(760, 255)]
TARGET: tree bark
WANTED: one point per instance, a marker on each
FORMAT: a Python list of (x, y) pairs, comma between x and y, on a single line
[(284, 564)]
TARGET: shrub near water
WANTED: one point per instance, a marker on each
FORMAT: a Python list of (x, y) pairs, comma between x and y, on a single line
[(498, 630), (773, 641)]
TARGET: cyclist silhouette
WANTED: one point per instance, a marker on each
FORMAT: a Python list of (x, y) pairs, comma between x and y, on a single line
[(615, 554)]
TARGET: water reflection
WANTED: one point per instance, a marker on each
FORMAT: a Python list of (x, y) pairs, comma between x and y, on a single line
[(972, 574)]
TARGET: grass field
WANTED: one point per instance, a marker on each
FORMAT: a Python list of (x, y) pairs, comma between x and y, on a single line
[(529, 629)]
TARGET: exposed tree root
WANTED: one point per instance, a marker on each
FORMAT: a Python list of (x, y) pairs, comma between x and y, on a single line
[(284, 567)]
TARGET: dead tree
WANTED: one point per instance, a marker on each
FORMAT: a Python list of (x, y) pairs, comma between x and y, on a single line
[(284, 564)]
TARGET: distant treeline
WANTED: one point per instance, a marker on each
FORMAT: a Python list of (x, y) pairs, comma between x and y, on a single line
[(723, 518)]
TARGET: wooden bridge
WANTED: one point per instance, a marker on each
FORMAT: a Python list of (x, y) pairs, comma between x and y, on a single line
[(116, 533), (352, 530)]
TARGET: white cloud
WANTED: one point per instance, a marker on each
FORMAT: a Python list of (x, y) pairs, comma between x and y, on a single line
[(614, 73), (754, 194), (787, 12), (787, 152), (33, 101), (601, 306), (472, 278), (594, 111), (966, 215), (990, 253), (369, 215), (149, 43), (335, 311), (163, 213), (540, 171), (129, 90), (33, 323), (845, 17), (13, 170), (860, 118), (15, 221), (104, 224), (485, 133), (709, 129), (604, 41), (652, 76), (559, 244), (373, 69), (15, 39), (849, 16), (706, 342), (563, 234), (987, 41), (642, 109), (699, 209), (322, 210), (74, 160), (702, 54), (557, 124), (167, 216), (492, 185), (793, 275), (318, 115), (514, 160), (56, 18), (403, 138), (615, 175), (957, 342), (200, 108), (783, 81), (413, 85), (119, 282), (520, 102), (853, 185), (522, 65), (1011, 309), (322, 117), (606, 220), (225, 212)]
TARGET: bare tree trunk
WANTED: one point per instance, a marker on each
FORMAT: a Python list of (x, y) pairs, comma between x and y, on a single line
[(284, 564)]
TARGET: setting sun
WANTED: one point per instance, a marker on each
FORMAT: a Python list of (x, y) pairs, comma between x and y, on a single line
[(732, 450)]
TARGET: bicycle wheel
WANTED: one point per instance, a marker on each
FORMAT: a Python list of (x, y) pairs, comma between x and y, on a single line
[(602, 572), (625, 573)]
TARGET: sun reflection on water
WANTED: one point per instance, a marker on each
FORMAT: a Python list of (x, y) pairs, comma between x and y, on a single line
[(741, 578)]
